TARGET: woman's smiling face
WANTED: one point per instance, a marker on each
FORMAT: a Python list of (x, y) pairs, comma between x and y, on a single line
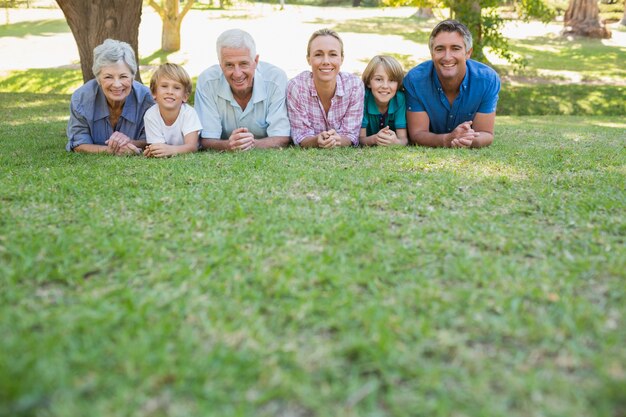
[(325, 58), (116, 81)]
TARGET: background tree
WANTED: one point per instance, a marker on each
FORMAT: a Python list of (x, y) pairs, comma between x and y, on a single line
[(582, 18), (94, 21), (172, 17), (623, 21), (484, 21)]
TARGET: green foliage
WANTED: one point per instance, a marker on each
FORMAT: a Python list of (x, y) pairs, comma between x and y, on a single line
[(355, 282)]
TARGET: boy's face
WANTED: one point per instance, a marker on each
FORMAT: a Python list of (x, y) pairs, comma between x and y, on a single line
[(169, 94), (383, 88)]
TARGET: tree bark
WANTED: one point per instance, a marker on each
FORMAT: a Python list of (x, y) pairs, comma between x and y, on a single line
[(470, 13), (172, 20), (426, 12), (94, 21), (582, 19)]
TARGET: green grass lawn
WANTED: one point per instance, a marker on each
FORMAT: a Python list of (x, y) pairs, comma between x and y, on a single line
[(312, 283), (353, 282)]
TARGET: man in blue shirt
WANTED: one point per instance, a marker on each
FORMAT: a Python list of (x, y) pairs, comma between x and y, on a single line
[(451, 100)]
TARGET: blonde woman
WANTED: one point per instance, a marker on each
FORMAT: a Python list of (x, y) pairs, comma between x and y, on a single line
[(325, 105)]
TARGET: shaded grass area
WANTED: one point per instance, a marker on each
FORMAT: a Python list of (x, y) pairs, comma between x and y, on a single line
[(588, 57), (410, 28), (310, 283)]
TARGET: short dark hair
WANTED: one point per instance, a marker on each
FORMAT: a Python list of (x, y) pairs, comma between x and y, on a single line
[(451, 26)]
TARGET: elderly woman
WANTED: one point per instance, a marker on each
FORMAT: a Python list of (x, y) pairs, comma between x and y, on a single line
[(325, 105), (106, 113)]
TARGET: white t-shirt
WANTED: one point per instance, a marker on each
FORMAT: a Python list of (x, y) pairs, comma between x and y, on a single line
[(157, 132)]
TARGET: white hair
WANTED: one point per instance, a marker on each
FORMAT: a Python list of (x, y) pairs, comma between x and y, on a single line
[(235, 39), (111, 52)]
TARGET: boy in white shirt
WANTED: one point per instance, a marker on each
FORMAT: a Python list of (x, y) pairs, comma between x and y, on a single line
[(172, 126)]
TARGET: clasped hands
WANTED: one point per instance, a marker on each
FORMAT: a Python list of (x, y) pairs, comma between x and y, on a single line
[(328, 139), (386, 137), (120, 144), (241, 140), (462, 136)]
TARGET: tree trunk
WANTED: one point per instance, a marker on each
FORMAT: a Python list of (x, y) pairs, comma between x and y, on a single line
[(94, 21), (582, 19), (426, 12), (623, 21), (356, 3), (172, 19), (470, 13), (170, 38)]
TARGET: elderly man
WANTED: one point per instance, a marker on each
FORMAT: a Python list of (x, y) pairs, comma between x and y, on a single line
[(451, 99), (241, 101)]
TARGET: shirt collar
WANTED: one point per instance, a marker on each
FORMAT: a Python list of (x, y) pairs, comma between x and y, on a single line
[(372, 108), (101, 108), (339, 88), (463, 85)]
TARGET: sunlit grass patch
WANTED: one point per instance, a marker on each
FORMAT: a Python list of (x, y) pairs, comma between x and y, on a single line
[(42, 81)]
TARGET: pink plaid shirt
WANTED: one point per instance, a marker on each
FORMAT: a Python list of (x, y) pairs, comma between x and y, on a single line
[(307, 116)]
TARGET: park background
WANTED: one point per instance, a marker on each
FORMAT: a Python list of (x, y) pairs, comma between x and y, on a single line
[(357, 282)]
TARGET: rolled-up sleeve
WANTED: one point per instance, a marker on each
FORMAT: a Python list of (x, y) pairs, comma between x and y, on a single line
[(277, 120), (301, 126), (206, 107), (78, 129), (351, 123), (490, 97)]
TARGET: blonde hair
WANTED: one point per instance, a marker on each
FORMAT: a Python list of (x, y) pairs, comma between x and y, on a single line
[(324, 32), (174, 72), (391, 66)]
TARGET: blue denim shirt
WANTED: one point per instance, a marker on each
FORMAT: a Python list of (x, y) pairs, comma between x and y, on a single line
[(478, 94), (89, 115)]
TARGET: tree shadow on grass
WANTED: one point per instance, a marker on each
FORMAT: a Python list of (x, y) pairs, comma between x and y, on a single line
[(157, 58), (587, 56), (32, 110), (411, 28), (405, 60), (34, 28), (575, 100)]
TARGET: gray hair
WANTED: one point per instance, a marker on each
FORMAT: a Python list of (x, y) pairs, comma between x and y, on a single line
[(451, 26), (235, 39), (111, 52)]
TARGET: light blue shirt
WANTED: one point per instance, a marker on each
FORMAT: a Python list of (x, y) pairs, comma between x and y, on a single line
[(220, 114), (478, 93), (89, 115)]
